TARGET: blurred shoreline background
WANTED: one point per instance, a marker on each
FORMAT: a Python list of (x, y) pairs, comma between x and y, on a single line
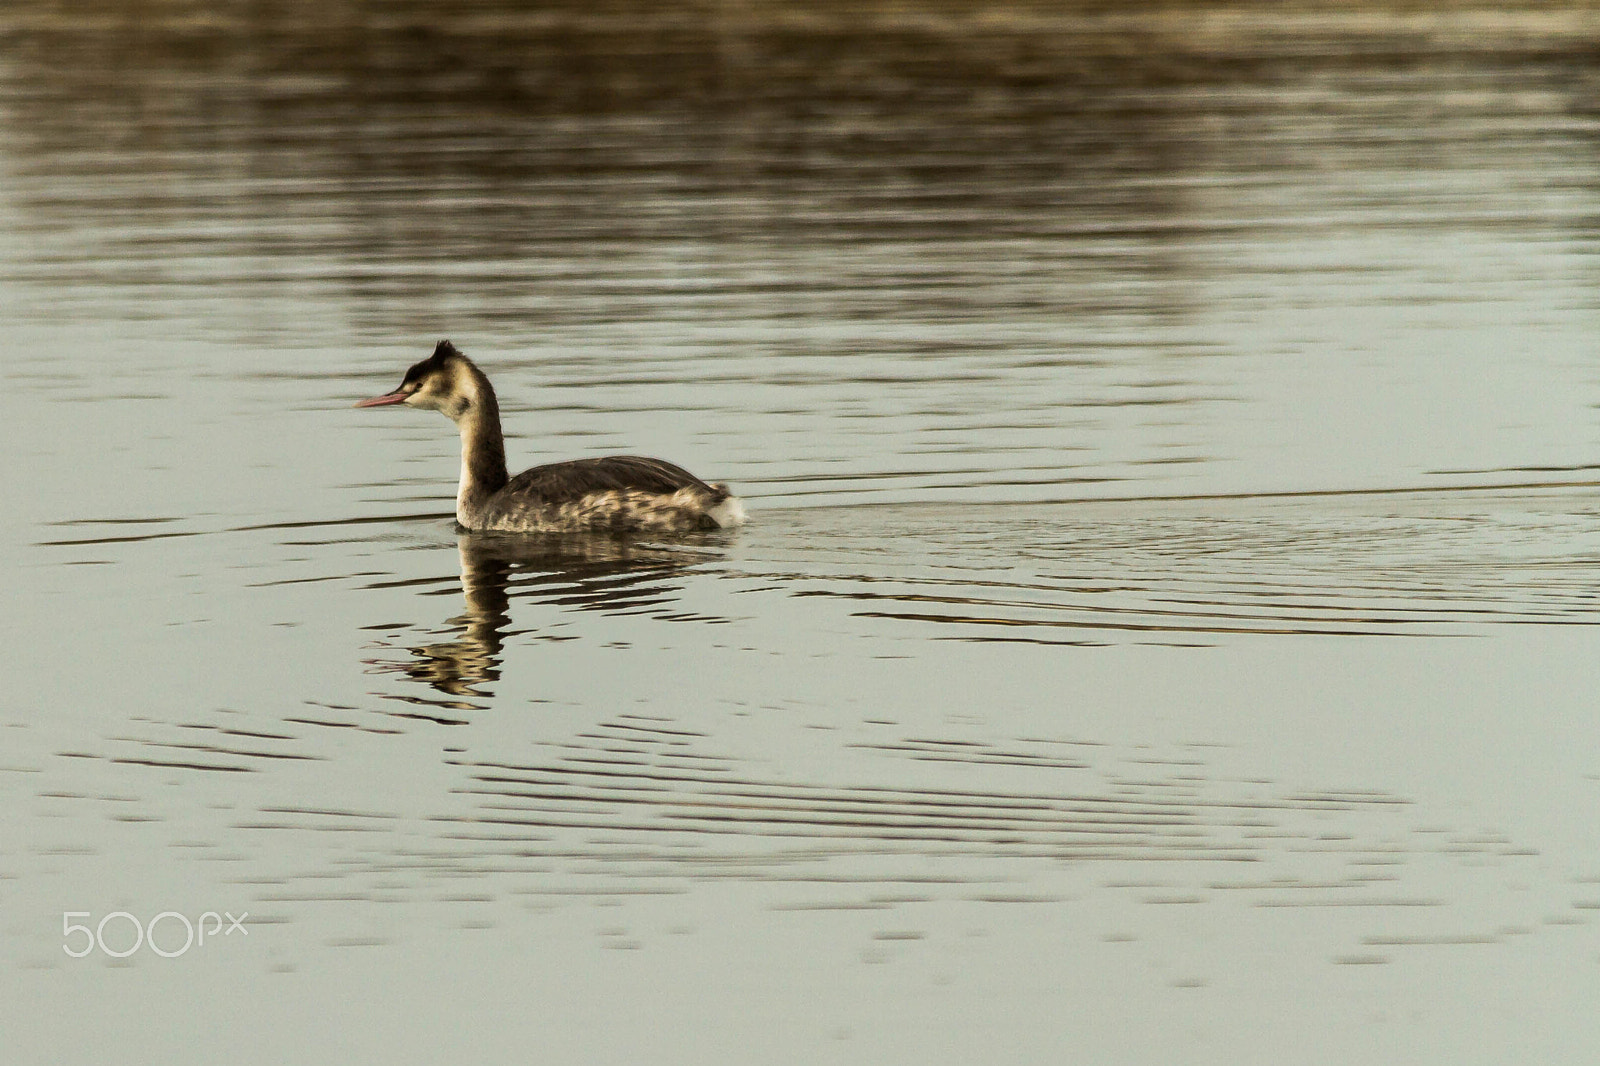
[(292, 146)]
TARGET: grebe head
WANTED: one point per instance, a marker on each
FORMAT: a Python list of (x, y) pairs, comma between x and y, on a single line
[(445, 381)]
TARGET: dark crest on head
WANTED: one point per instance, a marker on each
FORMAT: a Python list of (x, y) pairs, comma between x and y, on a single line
[(435, 362)]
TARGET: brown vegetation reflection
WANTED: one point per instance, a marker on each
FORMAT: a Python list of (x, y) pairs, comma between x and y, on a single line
[(487, 160)]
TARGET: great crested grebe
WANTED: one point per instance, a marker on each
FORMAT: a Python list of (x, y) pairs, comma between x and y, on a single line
[(620, 493)]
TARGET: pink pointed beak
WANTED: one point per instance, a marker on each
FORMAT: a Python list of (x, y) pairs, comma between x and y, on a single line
[(397, 396)]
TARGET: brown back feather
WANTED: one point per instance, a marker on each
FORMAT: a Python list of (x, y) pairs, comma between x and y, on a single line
[(576, 478)]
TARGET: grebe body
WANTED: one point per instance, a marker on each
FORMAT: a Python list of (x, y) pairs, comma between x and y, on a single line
[(618, 493)]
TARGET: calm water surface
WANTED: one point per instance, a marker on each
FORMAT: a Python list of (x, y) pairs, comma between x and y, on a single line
[(1166, 628)]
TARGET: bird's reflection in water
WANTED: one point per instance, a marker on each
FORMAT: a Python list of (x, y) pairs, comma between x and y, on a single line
[(591, 572)]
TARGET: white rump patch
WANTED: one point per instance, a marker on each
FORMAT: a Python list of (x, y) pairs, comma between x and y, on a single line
[(728, 513)]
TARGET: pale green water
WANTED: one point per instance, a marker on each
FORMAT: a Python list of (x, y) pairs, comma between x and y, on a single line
[(1165, 631)]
